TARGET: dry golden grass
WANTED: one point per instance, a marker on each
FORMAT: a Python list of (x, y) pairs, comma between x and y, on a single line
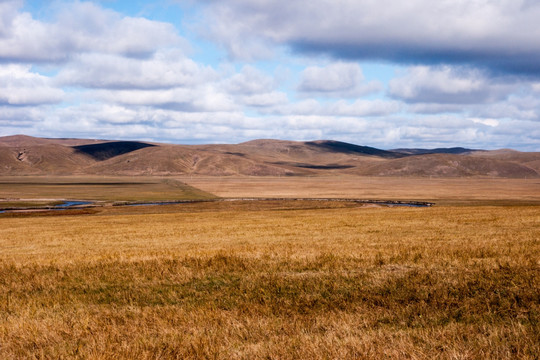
[(266, 281), (101, 188), (455, 191)]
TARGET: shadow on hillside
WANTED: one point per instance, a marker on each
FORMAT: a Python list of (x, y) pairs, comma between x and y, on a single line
[(104, 151), (312, 166), (346, 148)]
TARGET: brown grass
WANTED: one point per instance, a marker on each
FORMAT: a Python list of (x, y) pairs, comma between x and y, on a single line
[(451, 191), (17, 190), (272, 281)]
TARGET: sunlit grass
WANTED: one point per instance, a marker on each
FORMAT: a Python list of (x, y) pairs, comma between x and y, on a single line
[(16, 190), (252, 281)]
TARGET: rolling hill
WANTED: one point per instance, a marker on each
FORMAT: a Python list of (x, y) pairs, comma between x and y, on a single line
[(25, 155)]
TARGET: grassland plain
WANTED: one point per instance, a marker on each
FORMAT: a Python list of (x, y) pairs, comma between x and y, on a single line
[(24, 191), (448, 191), (272, 280)]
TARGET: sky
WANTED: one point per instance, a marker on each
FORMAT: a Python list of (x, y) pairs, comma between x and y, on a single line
[(382, 73)]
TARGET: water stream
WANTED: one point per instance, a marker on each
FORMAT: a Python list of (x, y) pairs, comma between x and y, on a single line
[(71, 204), (67, 204)]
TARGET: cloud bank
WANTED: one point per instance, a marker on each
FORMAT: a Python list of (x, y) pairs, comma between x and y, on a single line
[(500, 35), (79, 27), (455, 73)]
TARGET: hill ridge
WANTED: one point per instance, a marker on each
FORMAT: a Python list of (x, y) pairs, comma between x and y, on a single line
[(23, 155)]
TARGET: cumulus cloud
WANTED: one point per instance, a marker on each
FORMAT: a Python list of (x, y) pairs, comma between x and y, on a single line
[(337, 79), (334, 77), (106, 75), (80, 27), (359, 108), (19, 86), (364, 108), (165, 69), (207, 98), (434, 108), (487, 122), (525, 107), (249, 81), (447, 85), (265, 100), (143, 122), (435, 131), (254, 88), (517, 134), (498, 34), (21, 116), (8, 11)]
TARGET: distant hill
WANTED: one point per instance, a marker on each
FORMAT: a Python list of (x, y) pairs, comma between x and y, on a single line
[(453, 150), (25, 155), (338, 146), (449, 165)]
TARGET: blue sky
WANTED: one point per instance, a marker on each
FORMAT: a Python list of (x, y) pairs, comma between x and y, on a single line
[(381, 73)]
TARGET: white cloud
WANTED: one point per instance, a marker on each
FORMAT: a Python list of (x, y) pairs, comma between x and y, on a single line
[(19, 86), (113, 76), (141, 122), (206, 98), (500, 34), (364, 108), (487, 122), (252, 87), (166, 69), (507, 110), (434, 108), (336, 79), (8, 11), (102, 120), (81, 27), (265, 100), (212, 99), (303, 107), (249, 81), (155, 97), (340, 108), (447, 85), (20, 116)]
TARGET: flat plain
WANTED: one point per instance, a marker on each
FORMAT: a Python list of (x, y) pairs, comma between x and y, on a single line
[(447, 191), (279, 279), (38, 189)]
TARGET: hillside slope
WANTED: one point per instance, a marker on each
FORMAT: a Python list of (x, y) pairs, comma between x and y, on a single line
[(24, 155), (445, 165)]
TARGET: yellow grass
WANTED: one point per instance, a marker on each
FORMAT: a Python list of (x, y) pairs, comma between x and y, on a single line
[(268, 281), (440, 190), (33, 190)]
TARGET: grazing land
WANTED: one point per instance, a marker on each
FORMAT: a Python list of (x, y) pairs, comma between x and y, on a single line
[(448, 191), (39, 190), (272, 279)]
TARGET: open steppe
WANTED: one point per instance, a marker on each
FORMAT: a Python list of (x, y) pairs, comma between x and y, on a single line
[(272, 279), (283, 277), (442, 191), (43, 190)]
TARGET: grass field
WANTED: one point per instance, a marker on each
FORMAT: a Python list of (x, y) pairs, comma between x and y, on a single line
[(43, 190), (273, 280), (448, 191)]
